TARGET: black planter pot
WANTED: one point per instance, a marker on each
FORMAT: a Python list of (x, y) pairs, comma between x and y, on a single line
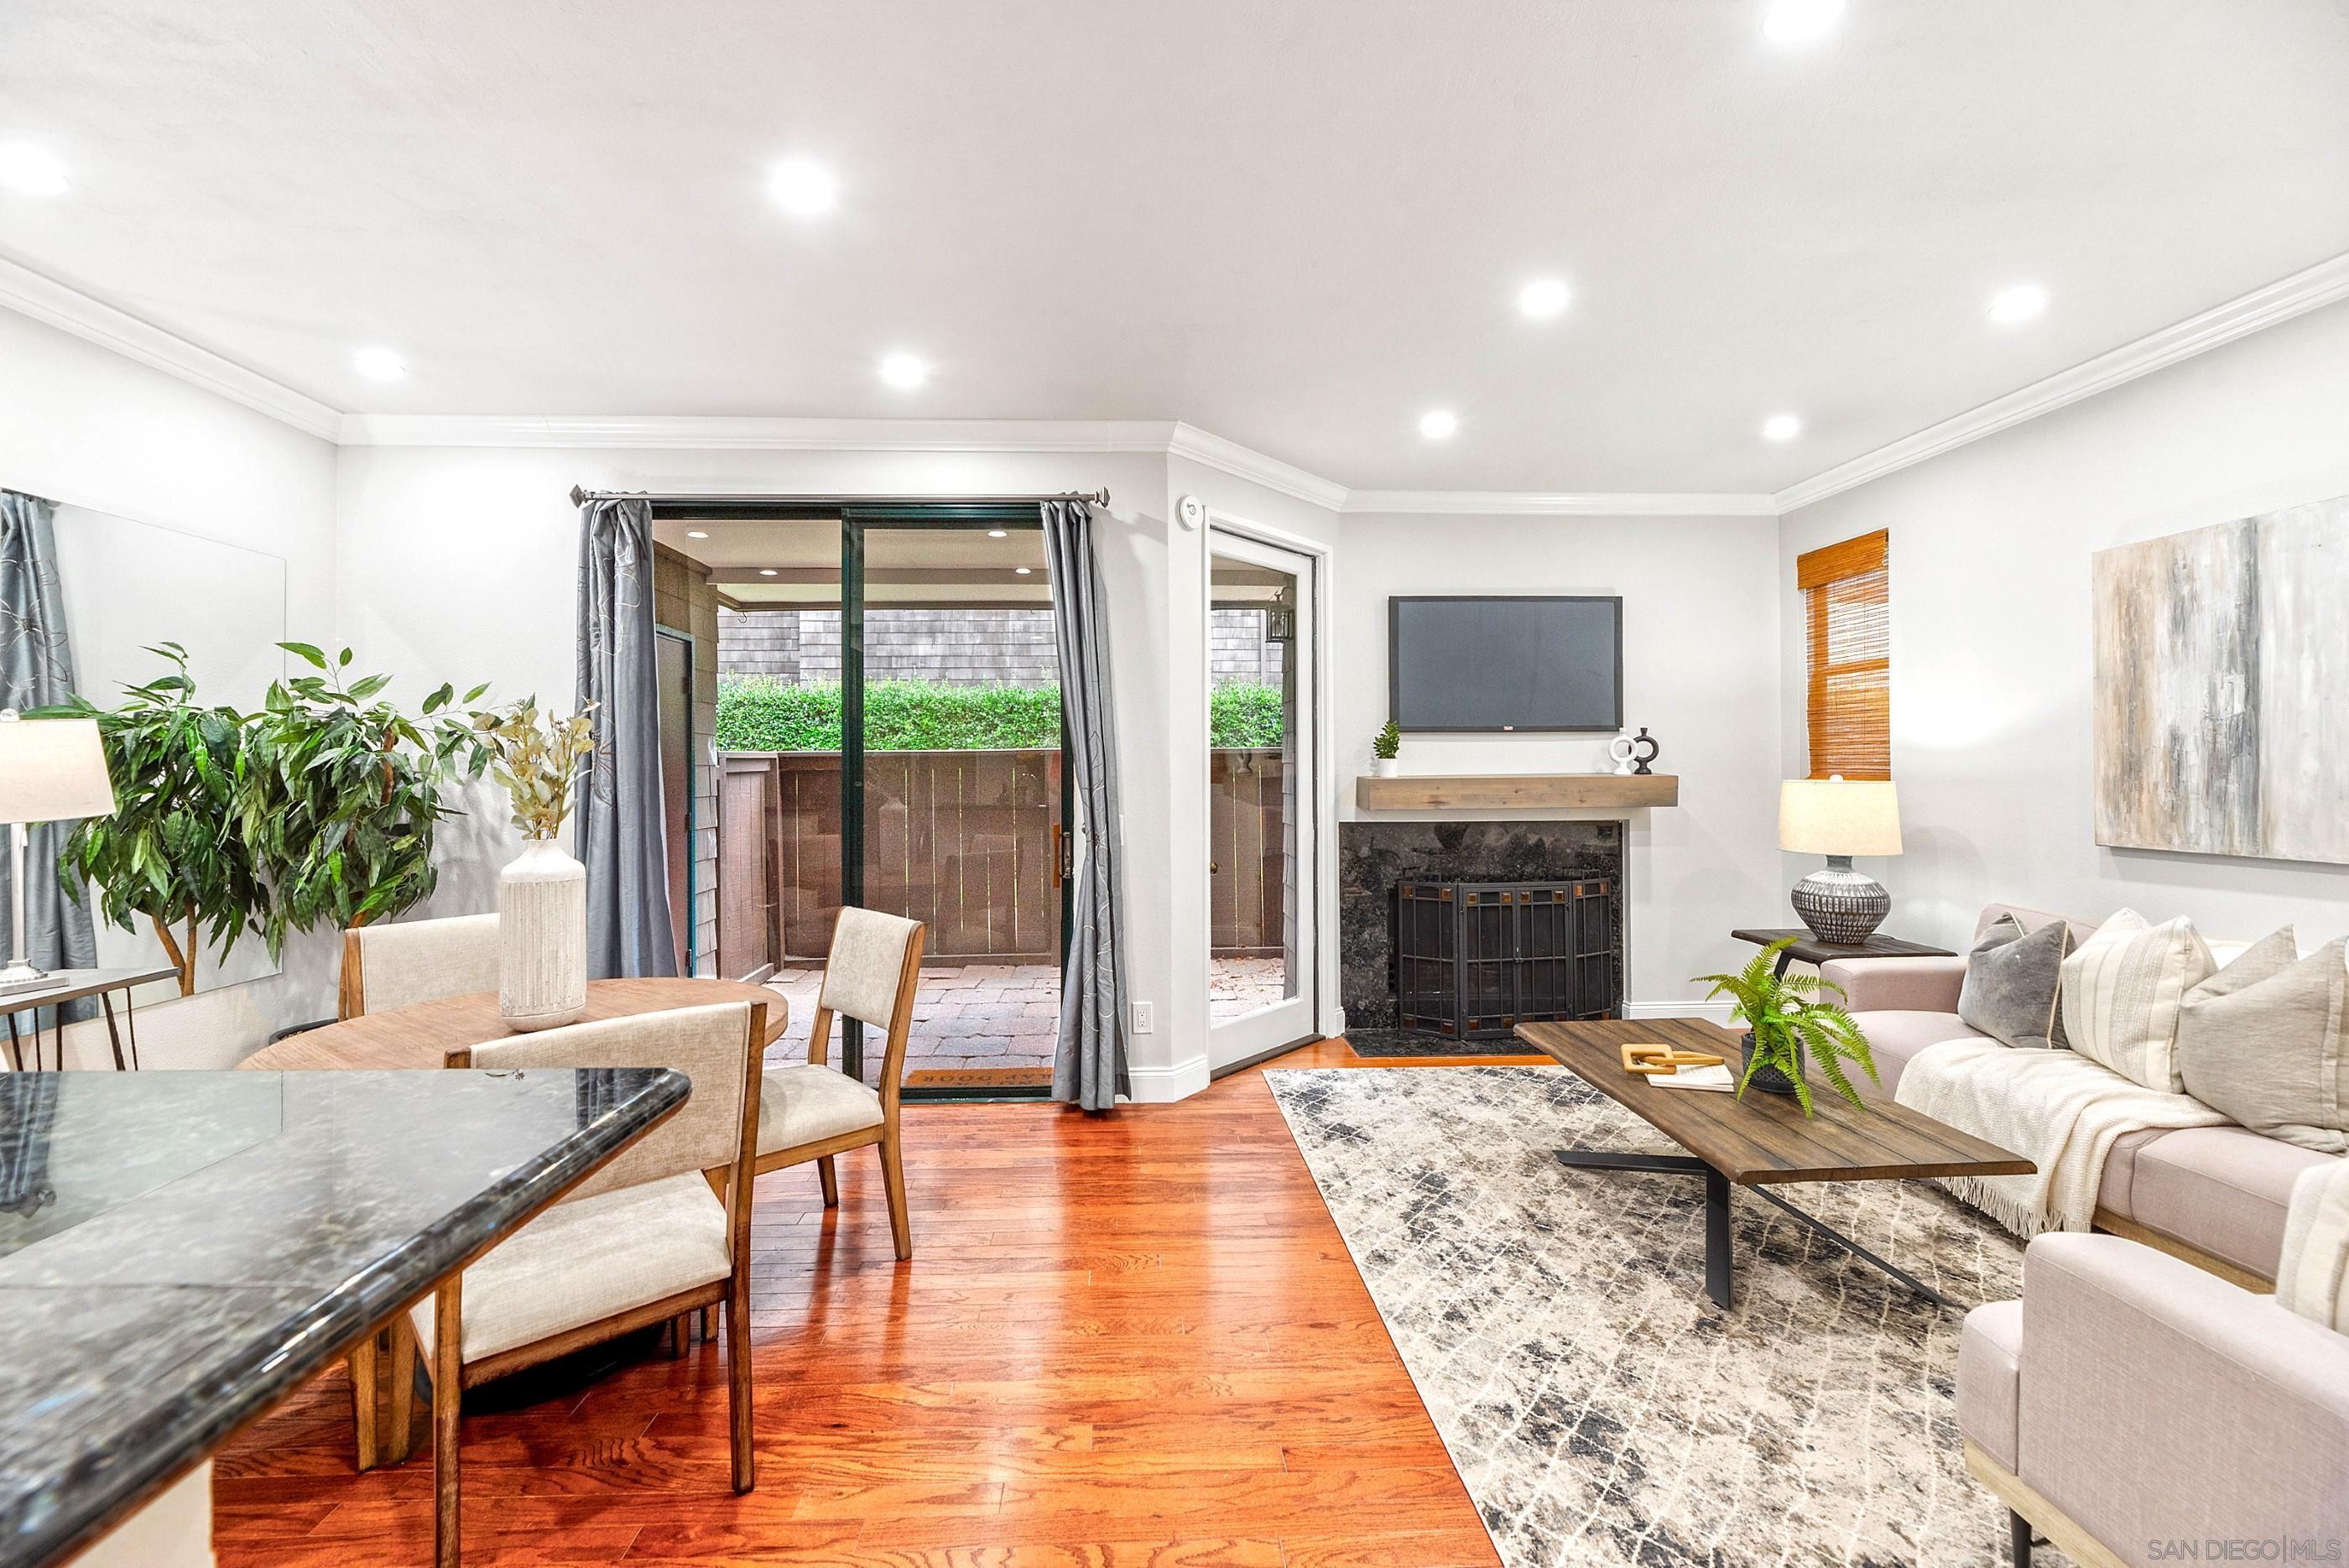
[(1770, 1080)]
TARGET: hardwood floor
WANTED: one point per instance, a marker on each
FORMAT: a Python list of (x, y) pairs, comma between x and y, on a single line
[(1132, 1339)]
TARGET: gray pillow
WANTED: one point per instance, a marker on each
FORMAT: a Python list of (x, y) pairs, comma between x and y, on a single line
[(2263, 1041), (2012, 980)]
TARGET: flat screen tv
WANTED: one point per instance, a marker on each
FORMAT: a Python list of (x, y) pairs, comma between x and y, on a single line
[(1492, 662)]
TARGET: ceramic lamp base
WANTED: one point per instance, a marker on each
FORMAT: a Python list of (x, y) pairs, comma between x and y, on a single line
[(1841, 905)]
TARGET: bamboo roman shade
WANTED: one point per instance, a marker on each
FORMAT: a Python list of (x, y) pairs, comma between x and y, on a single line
[(1847, 615)]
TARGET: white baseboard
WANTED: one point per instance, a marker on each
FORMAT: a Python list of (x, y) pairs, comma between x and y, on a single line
[(1711, 1012), (1162, 1086)]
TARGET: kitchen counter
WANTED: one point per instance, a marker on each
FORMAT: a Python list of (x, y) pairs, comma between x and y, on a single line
[(180, 1251)]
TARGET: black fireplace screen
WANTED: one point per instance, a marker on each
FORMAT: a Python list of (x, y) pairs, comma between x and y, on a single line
[(1475, 959)]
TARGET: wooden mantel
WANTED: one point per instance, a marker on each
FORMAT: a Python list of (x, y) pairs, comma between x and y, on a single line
[(1509, 792)]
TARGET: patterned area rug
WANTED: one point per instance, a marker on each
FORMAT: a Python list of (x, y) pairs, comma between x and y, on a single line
[(1599, 1407)]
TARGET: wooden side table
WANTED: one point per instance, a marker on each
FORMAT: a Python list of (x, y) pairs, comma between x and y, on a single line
[(1811, 949), (72, 985)]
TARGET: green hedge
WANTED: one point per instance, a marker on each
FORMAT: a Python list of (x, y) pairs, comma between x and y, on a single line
[(760, 713)]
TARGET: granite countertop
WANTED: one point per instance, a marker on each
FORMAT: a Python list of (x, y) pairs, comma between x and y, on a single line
[(180, 1250)]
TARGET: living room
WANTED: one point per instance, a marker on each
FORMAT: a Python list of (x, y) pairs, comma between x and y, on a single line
[(1585, 579)]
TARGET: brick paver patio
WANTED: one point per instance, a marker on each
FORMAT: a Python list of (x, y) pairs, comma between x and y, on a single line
[(1003, 1015)]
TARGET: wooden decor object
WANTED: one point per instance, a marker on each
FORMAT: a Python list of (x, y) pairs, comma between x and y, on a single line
[(1509, 792), (1652, 1059)]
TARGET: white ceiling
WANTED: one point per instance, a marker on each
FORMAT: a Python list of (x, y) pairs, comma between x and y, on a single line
[(1297, 225)]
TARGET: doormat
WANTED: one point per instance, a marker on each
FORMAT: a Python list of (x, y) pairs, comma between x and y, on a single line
[(980, 1078)]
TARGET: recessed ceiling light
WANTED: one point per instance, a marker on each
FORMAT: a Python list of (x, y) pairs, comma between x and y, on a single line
[(2020, 303), (378, 365), (696, 533), (1800, 21), (801, 187), (1023, 571), (765, 571), (1543, 299), (1780, 427), (1438, 424), (997, 533), (904, 371), (29, 171)]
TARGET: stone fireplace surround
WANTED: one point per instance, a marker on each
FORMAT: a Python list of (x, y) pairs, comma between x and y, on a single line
[(1373, 856)]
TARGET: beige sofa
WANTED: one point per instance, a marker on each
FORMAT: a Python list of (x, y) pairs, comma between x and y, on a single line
[(2213, 1196), (2136, 1410)]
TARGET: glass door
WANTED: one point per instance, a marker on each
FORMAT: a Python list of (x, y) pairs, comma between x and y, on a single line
[(1261, 886)]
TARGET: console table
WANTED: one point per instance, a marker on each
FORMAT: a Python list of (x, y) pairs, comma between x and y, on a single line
[(72, 985)]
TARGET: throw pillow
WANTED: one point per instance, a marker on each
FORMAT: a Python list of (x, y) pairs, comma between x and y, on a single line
[(2121, 994), (2261, 1040), (2313, 1278), (2012, 979)]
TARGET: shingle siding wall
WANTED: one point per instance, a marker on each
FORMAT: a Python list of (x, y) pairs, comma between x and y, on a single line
[(955, 646)]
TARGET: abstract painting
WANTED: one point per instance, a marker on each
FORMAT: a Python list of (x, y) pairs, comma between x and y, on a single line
[(2221, 698)]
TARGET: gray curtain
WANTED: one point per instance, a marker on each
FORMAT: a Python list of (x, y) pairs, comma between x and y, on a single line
[(37, 671), (622, 829), (1089, 1069)]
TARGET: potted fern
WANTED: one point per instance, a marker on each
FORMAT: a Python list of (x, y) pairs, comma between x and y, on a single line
[(1785, 1021), (1384, 746)]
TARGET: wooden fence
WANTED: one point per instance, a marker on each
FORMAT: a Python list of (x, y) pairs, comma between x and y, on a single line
[(963, 841)]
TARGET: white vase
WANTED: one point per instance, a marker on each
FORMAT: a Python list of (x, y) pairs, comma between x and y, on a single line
[(542, 938), (1385, 767)]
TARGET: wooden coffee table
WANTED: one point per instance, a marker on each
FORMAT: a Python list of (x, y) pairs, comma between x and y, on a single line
[(1761, 1140)]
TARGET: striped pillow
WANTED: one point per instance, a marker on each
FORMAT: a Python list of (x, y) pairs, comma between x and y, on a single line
[(2313, 1278), (2122, 990)]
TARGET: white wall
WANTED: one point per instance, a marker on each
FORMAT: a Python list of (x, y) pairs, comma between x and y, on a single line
[(82, 424), (1991, 650), (1699, 624)]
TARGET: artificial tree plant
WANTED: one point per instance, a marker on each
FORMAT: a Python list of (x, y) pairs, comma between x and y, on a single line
[(339, 794), (1784, 1016), (170, 852)]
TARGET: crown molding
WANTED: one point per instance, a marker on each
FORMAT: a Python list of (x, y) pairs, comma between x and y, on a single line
[(752, 433), (2306, 290), (1245, 463), (69, 310), (1539, 503)]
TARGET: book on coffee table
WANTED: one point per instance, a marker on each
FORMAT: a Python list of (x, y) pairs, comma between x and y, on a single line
[(1696, 1078)]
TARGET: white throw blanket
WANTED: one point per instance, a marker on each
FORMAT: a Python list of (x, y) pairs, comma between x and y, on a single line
[(2056, 1108)]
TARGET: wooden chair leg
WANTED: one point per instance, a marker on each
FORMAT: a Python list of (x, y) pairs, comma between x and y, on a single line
[(893, 1176), (365, 1416), (739, 1407), (400, 1435), (680, 1335), (831, 1179), (710, 1324), (448, 1404)]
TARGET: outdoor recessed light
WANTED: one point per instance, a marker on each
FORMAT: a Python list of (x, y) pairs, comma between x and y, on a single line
[(29, 171), (696, 533), (765, 571), (904, 371), (2020, 303), (997, 533), (1780, 427), (1800, 21), (1543, 299), (801, 187), (378, 365), (1438, 424), (1023, 571)]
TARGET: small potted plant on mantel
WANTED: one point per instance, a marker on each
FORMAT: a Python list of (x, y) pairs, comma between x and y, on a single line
[(1785, 1021), (1385, 745)]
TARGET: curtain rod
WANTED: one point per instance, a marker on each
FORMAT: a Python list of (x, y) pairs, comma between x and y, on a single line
[(580, 497)]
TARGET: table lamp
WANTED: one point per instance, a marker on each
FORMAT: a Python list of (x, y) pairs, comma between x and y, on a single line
[(1840, 817), (50, 769)]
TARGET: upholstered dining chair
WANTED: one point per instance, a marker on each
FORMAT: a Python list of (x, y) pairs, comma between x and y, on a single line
[(662, 1230), (813, 1111), (409, 961)]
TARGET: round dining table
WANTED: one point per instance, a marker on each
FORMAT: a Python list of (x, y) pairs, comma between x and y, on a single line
[(443, 1034)]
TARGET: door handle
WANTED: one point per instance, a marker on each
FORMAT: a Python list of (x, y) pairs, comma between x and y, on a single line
[(1062, 869)]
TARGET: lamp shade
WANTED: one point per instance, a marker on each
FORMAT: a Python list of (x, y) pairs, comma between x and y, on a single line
[(1839, 816), (51, 769)]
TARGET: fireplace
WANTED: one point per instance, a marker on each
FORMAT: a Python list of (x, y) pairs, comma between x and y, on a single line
[(1570, 877)]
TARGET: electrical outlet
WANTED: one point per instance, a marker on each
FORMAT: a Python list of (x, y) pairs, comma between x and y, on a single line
[(1145, 1021)]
